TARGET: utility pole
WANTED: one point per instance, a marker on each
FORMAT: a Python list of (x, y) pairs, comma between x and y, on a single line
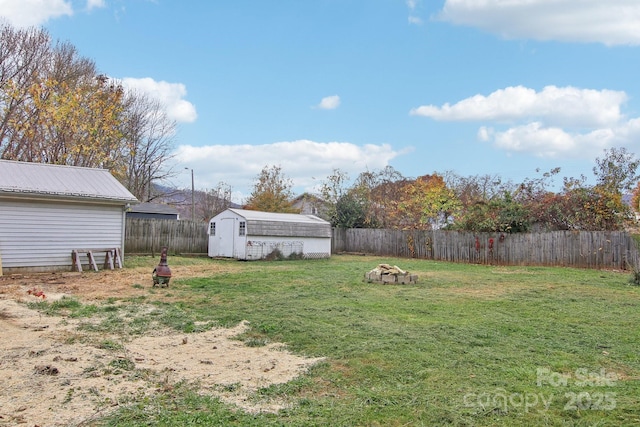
[(193, 201)]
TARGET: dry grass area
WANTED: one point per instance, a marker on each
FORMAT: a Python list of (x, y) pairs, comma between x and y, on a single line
[(55, 374), (91, 285)]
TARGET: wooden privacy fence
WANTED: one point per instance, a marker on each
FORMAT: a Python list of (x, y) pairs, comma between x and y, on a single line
[(584, 249), (598, 249), (148, 236)]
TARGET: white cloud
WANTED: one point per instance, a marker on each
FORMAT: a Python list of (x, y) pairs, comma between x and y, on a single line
[(26, 13), (329, 102), (413, 19), (306, 163), (171, 95), (485, 133), (611, 22), (95, 4), (552, 142), (555, 122), (554, 105)]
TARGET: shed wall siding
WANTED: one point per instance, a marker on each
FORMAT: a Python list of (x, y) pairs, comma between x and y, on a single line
[(287, 229), (38, 234), (315, 246)]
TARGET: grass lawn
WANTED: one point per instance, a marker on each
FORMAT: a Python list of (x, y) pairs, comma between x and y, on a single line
[(468, 345)]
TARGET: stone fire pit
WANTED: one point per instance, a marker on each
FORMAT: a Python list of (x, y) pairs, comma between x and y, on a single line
[(387, 274)]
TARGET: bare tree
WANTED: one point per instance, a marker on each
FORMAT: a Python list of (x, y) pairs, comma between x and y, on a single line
[(381, 190), (477, 188), (213, 201), (149, 137), (22, 53)]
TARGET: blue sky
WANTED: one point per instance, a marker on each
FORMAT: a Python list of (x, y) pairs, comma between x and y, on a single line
[(471, 86)]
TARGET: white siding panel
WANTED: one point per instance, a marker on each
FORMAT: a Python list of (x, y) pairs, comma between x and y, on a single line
[(39, 234)]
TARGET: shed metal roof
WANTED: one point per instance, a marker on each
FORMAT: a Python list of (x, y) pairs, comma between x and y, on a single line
[(27, 179), (283, 217)]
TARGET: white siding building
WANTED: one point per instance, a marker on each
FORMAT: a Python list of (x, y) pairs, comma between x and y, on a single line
[(251, 235), (46, 211)]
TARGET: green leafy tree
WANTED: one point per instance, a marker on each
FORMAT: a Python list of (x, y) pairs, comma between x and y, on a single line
[(351, 211), (332, 189), (497, 215)]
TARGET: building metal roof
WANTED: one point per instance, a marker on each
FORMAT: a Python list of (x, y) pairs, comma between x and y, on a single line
[(154, 208), (37, 180), (283, 217)]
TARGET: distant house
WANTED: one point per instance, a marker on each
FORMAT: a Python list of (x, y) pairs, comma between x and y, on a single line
[(308, 204), (153, 211), (47, 211), (251, 235)]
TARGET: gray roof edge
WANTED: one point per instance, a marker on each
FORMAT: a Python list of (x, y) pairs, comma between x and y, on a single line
[(54, 183), (246, 213), (22, 194), (155, 208), (54, 165)]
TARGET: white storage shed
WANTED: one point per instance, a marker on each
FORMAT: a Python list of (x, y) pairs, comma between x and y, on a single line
[(48, 211), (251, 235)]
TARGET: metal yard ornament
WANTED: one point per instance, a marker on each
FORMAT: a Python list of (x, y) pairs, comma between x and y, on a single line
[(162, 272)]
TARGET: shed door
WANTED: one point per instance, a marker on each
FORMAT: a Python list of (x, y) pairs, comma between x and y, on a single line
[(227, 237)]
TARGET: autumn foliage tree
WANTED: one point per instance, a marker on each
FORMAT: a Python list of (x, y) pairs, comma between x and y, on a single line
[(271, 192), (52, 100), (425, 203), (579, 206), (635, 198), (56, 108), (22, 53), (71, 123)]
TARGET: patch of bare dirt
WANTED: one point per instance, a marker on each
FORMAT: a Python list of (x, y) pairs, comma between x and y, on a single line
[(92, 285), (51, 375)]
